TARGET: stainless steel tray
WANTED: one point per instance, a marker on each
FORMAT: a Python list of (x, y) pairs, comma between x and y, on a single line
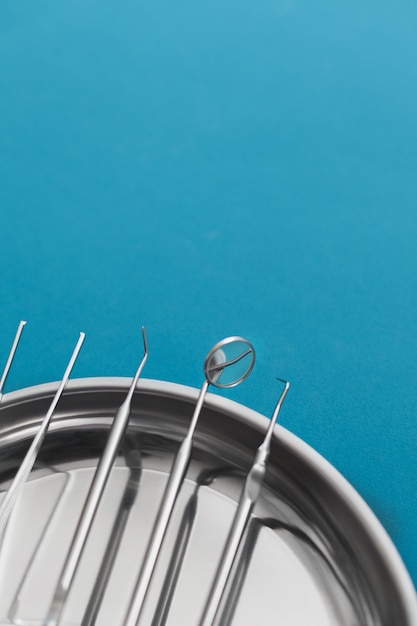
[(314, 552)]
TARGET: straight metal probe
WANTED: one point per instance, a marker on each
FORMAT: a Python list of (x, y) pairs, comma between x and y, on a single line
[(248, 498), (93, 499), (11, 356), (25, 468)]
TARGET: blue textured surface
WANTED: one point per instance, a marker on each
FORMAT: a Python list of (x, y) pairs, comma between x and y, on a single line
[(216, 168)]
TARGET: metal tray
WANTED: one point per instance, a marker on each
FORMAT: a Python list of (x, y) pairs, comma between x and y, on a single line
[(314, 553)]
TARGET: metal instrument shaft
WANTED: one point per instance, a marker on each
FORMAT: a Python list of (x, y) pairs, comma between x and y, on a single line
[(248, 498), (11, 356), (25, 468), (93, 499)]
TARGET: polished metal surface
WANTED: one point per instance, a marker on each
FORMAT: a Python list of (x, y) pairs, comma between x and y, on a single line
[(313, 552)]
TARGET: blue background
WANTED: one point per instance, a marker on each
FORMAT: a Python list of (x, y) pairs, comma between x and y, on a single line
[(216, 168)]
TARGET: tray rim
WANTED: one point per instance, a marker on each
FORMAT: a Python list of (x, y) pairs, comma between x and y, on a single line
[(298, 447)]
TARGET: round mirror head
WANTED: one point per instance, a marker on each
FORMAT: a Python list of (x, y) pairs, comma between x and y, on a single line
[(229, 362)]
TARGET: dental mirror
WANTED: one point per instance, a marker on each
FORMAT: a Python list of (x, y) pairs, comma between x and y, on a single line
[(229, 362)]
